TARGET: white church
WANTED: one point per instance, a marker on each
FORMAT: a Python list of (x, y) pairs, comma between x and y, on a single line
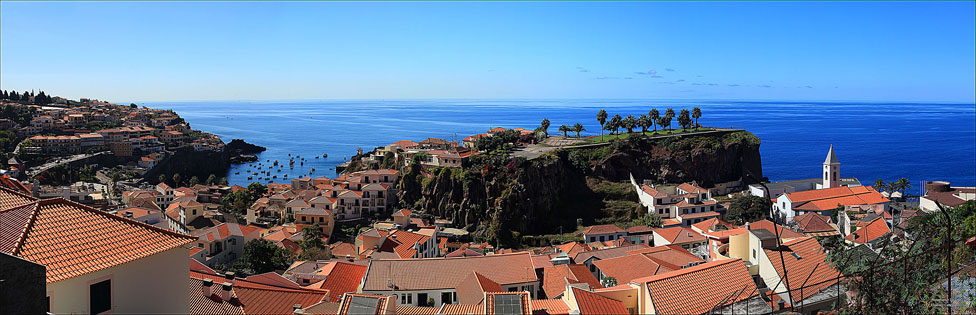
[(831, 179)]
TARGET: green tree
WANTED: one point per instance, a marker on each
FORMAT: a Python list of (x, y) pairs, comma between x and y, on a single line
[(578, 127), (608, 281), (696, 113), (257, 189), (903, 185), (629, 123), (261, 256), (133, 106), (880, 185), (616, 122), (602, 118), (684, 119), (194, 181), (665, 121), (650, 219), (212, 180), (223, 181), (643, 122), (564, 129), (312, 237), (545, 125), (161, 178), (654, 115), (177, 179), (669, 115), (747, 209)]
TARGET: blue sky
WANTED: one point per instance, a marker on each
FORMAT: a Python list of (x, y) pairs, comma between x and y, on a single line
[(167, 51)]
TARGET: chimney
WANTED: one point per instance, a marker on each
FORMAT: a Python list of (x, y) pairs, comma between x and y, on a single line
[(230, 277), (207, 287), (298, 311), (225, 294), (128, 214)]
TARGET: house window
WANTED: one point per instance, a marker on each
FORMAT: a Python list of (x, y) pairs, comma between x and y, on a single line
[(194, 211), (512, 289), (303, 218), (825, 175), (100, 297), (602, 238), (753, 253), (321, 219)]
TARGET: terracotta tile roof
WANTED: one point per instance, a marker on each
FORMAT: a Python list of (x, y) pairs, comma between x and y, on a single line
[(592, 303), (12, 184), (402, 243), (672, 256), (261, 298), (606, 253), (767, 225), (696, 215), (573, 248), (630, 267), (14, 222), (670, 222), (462, 309), (343, 249), (414, 274), (473, 288), (679, 235), (696, 290), (212, 304), (342, 277), (812, 222), (523, 297), (711, 225), (402, 213), (830, 198), (555, 278), (812, 264), (463, 252), (417, 310), (639, 229), (71, 239), (603, 229), (724, 234), (405, 143), (874, 230), (550, 307), (271, 278), (11, 198), (692, 188), (542, 261), (653, 192)]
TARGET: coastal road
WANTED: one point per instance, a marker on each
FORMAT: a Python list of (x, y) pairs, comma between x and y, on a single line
[(58, 161)]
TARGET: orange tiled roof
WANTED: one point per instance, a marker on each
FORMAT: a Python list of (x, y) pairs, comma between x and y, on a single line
[(627, 268), (417, 310), (342, 277), (692, 188), (414, 274), (810, 265), (462, 309), (261, 298), (592, 303), (784, 233), (603, 229), (679, 235), (551, 307), (874, 230), (11, 198), (812, 222), (473, 288), (71, 239), (710, 225), (830, 198), (555, 278), (695, 290), (573, 248)]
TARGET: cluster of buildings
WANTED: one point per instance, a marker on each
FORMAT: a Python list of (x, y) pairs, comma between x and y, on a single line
[(437, 152)]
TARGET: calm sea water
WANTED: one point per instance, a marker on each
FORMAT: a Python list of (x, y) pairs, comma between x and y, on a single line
[(872, 140)]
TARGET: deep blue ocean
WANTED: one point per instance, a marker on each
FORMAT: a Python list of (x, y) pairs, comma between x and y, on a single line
[(872, 140)]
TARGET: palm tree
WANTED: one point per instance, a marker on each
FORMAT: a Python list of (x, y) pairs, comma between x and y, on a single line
[(666, 122), (643, 122), (892, 187), (578, 127), (177, 179), (696, 113), (615, 123), (545, 125), (162, 178), (880, 185), (669, 114), (903, 185), (212, 180), (602, 118), (684, 119), (564, 129), (629, 123), (654, 115)]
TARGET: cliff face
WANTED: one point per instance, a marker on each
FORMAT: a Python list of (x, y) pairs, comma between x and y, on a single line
[(495, 197)]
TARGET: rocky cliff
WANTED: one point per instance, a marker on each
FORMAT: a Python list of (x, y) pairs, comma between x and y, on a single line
[(500, 198)]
